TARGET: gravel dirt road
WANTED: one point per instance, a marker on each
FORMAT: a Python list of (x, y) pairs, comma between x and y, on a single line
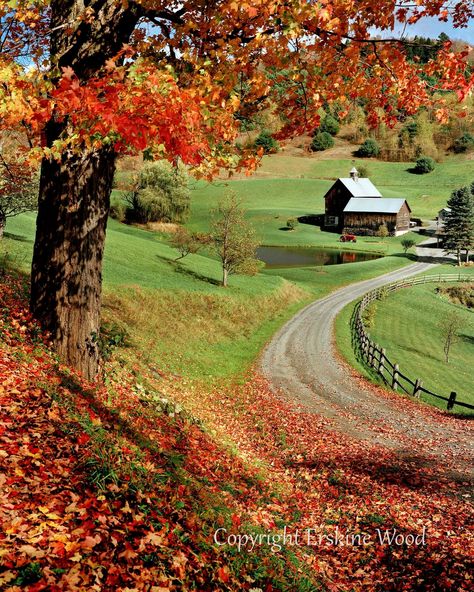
[(302, 365)]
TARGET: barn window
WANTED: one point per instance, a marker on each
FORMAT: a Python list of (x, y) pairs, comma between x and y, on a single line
[(332, 220)]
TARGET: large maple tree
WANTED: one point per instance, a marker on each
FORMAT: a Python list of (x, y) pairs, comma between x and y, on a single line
[(87, 81)]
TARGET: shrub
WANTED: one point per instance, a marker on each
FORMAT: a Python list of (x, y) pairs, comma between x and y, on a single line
[(383, 231), (368, 315), (117, 211), (321, 141), (424, 165), (292, 223), (330, 125), (160, 193), (185, 242), (463, 144), (266, 141), (463, 294), (363, 170), (412, 129), (368, 149), (407, 243)]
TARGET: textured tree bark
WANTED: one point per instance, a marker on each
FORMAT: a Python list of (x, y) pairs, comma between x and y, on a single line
[(74, 194), (66, 274), (3, 222)]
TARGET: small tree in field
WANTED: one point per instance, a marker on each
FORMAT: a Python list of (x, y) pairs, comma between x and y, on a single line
[(234, 239), (407, 244), (18, 191), (450, 327), (186, 243), (383, 232)]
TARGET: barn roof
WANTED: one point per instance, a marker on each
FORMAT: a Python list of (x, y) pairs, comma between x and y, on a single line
[(385, 205), (361, 188)]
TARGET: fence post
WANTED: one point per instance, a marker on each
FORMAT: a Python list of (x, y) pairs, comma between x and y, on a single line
[(374, 357), (367, 349), (395, 377), (382, 361), (418, 385), (452, 400)]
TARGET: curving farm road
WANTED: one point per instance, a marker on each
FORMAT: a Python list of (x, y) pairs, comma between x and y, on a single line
[(302, 365)]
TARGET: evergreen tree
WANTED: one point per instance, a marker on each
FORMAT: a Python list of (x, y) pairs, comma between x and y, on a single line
[(459, 223)]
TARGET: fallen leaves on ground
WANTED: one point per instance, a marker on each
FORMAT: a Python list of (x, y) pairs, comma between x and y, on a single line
[(121, 487)]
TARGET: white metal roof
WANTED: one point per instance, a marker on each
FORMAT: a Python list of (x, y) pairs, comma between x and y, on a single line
[(361, 188), (385, 205)]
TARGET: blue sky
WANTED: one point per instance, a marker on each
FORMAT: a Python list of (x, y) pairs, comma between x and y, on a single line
[(432, 27)]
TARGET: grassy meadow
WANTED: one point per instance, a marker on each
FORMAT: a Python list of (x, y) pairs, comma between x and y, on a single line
[(185, 322), (176, 313), (407, 325), (292, 186)]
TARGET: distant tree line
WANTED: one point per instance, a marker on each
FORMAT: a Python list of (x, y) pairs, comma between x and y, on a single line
[(423, 49)]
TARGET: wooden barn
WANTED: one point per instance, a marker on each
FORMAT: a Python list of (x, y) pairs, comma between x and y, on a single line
[(343, 190), (354, 205), (365, 215)]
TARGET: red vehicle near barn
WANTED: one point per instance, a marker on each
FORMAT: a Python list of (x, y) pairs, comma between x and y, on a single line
[(348, 238)]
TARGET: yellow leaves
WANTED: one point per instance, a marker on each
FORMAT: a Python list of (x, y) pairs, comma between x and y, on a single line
[(6, 577), (76, 557), (51, 515), (234, 102), (6, 73), (153, 539), (31, 551)]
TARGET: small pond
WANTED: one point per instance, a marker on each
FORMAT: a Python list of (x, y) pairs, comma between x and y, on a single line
[(275, 257)]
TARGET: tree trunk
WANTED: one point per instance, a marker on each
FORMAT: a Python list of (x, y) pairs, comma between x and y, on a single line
[(66, 273), (3, 223), (75, 192), (225, 277), (467, 255)]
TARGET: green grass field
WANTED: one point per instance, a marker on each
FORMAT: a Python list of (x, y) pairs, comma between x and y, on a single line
[(291, 186), (406, 325), (178, 316), (185, 321)]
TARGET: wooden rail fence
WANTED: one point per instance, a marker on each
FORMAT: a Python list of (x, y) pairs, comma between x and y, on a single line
[(376, 357)]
